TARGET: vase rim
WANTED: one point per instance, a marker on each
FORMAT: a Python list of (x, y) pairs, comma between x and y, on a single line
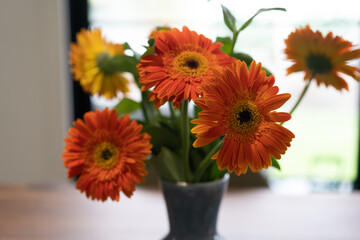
[(225, 178)]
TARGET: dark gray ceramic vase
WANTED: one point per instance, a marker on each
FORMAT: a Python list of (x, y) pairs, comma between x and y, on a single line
[(193, 208)]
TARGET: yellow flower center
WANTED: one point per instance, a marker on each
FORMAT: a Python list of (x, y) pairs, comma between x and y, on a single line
[(191, 63), (244, 117), (106, 155)]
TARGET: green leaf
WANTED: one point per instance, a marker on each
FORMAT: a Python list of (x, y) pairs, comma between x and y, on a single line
[(127, 106), (148, 107), (196, 111), (224, 40), (229, 19), (196, 157), (163, 121), (196, 115), (151, 42), (248, 59), (275, 163), (167, 165), (119, 63), (247, 23), (166, 28), (227, 44), (162, 137), (268, 73), (126, 46), (215, 172), (243, 57), (125, 63), (149, 51)]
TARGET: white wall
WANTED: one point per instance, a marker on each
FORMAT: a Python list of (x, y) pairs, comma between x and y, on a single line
[(34, 90)]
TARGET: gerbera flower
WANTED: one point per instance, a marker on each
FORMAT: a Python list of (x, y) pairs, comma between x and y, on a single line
[(239, 104), (88, 56), (158, 29), (183, 61), (321, 57), (107, 154)]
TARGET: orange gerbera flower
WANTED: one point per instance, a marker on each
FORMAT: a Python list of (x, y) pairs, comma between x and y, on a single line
[(321, 57), (88, 56), (183, 60), (158, 29), (239, 105), (107, 154)]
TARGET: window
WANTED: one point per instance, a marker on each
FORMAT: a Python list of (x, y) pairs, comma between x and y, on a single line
[(324, 153)]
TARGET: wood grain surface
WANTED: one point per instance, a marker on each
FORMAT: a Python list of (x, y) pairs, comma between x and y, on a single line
[(59, 212)]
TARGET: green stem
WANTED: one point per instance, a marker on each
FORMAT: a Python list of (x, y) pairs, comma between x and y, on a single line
[(185, 140), (235, 35), (143, 106), (172, 112), (301, 97), (206, 162)]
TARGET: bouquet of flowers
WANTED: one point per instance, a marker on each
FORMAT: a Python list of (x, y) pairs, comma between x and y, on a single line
[(232, 126)]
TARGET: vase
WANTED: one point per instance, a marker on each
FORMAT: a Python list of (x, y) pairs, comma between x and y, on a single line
[(193, 208)]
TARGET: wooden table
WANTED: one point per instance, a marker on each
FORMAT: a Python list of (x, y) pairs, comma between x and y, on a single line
[(59, 212)]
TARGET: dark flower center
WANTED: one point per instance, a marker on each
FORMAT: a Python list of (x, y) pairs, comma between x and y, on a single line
[(192, 64), (106, 154), (318, 64), (244, 116)]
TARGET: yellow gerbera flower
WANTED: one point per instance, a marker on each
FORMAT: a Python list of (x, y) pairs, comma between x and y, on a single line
[(87, 57), (321, 57)]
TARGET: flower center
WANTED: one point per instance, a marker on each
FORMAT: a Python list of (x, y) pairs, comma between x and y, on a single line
[(102, 57), (318, 64), (106, 155), (106, 63), (244, 117), (191, 63)]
